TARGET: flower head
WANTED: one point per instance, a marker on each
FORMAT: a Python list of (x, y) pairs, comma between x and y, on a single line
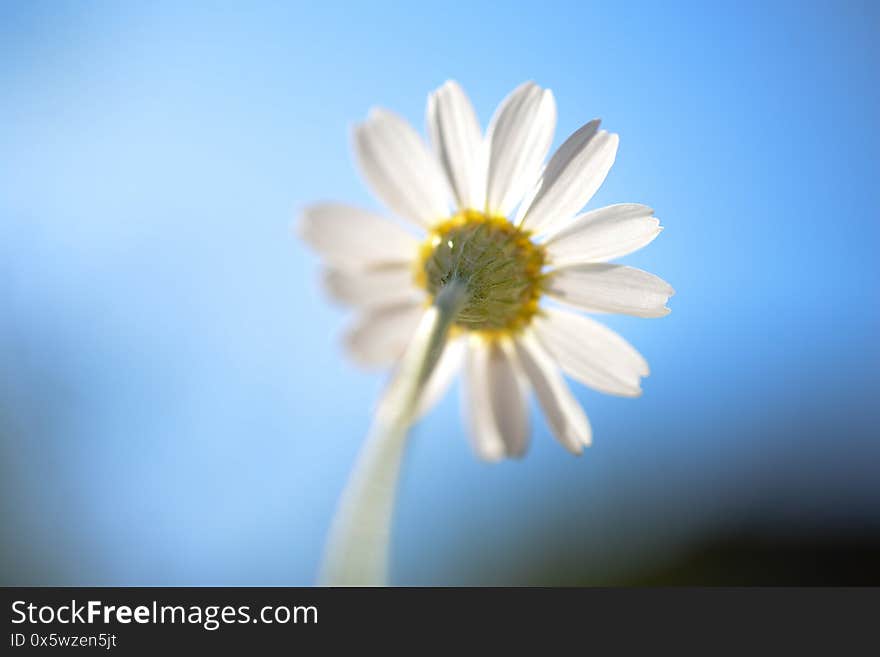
[(493, 219)]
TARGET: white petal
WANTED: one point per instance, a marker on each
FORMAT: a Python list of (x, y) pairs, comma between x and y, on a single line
[(564, 414), (591, 353), (611, 289), (572, 176), (351, 237), (444, 374), (397, 165), (458, 143), (604, 234), (519, 137), (379, 336), (495, 401), (447, 368), (485, 438), (372, 287)]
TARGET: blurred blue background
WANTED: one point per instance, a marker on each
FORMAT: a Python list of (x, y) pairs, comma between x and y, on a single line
[(174, 404)]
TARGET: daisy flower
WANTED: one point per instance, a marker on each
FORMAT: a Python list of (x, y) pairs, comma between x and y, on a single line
[(487, 234)]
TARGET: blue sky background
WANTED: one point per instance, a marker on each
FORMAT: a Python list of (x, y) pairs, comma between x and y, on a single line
[(174, 405)]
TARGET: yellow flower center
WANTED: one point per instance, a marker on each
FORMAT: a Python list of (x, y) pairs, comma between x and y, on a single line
[(497, 261)]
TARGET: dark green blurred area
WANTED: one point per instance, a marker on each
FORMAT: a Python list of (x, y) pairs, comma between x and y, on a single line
[(736, 558), (810, 560), (748, 559)]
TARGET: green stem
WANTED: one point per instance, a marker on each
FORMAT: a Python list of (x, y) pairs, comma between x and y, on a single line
[(357, 550)]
